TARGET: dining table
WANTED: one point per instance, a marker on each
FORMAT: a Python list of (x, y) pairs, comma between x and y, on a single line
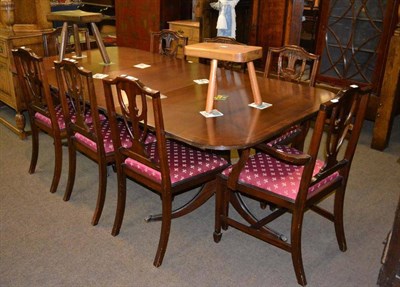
[(183, 86), (241, 126)]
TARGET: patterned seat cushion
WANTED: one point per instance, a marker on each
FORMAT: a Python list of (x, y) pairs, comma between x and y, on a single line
[(60, 116), (184, 162), (266, 172), (47, 121), (107, 139)]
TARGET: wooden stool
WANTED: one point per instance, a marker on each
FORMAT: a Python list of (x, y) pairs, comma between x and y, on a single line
[(78, 17), (230, 53)]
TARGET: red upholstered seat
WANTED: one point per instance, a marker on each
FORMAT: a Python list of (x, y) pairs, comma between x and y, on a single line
[(107, 139), (184, 162), (275, 176)]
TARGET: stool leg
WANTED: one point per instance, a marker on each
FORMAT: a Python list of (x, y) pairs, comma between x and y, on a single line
[(100, 43), (212, 86), (64, 40), (254, 83), (77, 41)]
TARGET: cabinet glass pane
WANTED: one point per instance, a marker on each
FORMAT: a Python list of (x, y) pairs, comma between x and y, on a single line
[(354, 30)]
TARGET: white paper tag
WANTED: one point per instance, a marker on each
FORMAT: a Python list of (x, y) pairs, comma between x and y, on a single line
[(142, 66), (100, 76), (201, 81), (212, 114), (260, 107)]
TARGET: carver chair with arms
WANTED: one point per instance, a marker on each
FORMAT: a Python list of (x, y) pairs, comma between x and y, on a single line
[(293, 181), (167, 42), (44, 108), (164, 166), (88, 129)]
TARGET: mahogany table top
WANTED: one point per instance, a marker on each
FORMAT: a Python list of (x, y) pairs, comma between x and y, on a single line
[(240, 126)]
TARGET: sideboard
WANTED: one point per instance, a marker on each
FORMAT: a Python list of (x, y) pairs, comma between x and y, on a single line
[(22, 23)]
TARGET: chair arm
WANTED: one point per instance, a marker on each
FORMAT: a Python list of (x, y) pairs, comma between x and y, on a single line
[(278, 153)]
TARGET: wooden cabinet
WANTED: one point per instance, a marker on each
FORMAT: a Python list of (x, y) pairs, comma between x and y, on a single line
[(22, 23), (353, 41), (188, 28), (135, 20), (10, 91)]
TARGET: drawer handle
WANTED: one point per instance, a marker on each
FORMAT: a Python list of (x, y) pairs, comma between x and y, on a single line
[(181, 32)]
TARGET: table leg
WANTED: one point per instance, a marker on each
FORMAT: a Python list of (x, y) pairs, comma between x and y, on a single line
[(100, 43), (254, 83), (64, 40), (212, 86)]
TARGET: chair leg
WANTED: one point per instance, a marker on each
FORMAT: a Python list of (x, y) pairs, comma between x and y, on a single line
[(338, 215), (101, 193), (35, 148), (226, 194), (218, 210), (297, 222), (165, 230), (57, 164), (119, 214), (71, 170)]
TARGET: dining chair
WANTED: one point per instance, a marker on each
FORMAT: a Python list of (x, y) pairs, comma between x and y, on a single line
[(165, 166), (43, 106), (292, 63), (167, 42), (226, 64), (294, 181), (87, 127), (52, 41)]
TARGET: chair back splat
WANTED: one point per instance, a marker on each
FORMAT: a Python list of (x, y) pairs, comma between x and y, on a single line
[(43, 105), (167, 42), (160, 164), (293, 64), (293, 181)]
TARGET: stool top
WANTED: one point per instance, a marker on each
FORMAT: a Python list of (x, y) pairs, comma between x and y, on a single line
[(224, 52), (76, 16)]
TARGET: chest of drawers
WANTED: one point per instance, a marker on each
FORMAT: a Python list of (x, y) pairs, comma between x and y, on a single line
[(188, 28)]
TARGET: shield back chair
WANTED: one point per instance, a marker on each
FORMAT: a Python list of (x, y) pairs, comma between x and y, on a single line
[(52, 41), (292, 63), (293, 181), (87, 128), (44, 108), (167, 42), (159, 165), (226, 64)]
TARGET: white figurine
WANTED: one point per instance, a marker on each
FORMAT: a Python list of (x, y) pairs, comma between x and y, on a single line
[(226, 24)]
